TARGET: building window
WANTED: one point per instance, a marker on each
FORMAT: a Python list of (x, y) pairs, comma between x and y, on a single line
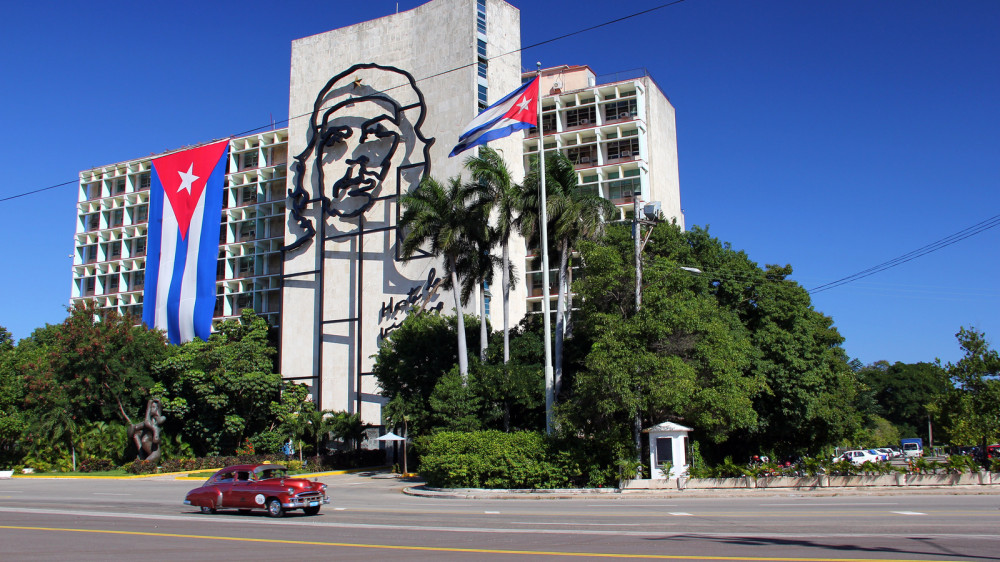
[(623, 189), (482, 69), (93, 221), (625, 148), (138, 280), (119, 187), (143, 181), (248, 231), (664, 450), (625, 109), (140, 247), (248, 195), (583, 155), (88, 287), (581, 117), (90, 253), (481, 48), (117, 218), (249, 160), (115, 250), (483, 93), (110, 284), (244, 300), (245, 266), (141, 214)]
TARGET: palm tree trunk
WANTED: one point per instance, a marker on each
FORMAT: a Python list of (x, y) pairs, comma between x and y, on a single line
[(506, 303), (560, 316), (483, 332), (463, 359)]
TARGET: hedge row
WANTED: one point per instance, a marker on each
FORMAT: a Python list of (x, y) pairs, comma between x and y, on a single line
[(336, 461)]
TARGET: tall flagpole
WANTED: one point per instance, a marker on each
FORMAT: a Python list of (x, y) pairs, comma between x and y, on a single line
[(544, 220)]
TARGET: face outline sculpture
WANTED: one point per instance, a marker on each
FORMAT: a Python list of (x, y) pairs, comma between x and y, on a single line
[(367, 133)]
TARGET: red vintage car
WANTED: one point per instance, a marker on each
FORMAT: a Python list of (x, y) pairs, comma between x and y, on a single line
[(258, 486)]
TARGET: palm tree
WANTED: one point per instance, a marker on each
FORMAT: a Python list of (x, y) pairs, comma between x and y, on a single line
[(489, 170), (573, 215), (442, 216), (476, 269)]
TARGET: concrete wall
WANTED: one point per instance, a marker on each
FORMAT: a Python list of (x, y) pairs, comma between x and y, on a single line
[(664, 178), (354, 281)]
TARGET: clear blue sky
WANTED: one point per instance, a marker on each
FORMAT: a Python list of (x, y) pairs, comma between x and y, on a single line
[(832, 136)]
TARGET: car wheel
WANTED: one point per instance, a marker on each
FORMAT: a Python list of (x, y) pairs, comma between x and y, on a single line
[(311, 510), (274, 508), (206, 509)]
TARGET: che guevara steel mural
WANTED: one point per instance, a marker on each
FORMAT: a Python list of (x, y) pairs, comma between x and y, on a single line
[(365, 145)]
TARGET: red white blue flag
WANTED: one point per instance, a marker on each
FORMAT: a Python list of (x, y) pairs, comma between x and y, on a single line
[(182, 249), (517, 110)]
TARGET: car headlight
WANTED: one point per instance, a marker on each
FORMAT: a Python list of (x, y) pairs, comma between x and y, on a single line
[(291, 490), (323, 487)]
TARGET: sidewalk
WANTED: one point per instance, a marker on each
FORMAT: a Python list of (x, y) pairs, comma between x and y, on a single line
[(422, 490)]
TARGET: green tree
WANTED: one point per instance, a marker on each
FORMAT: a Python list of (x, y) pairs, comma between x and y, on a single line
[(94, 367), (681, 357), (220, 392), (441, 217), (574, 215), (974, 404), (11, 398), (903, 392)]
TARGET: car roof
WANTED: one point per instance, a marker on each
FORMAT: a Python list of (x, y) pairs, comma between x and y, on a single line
[(252, 467)]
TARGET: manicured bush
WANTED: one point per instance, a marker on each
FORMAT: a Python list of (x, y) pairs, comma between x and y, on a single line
[(492, 459), (96, 465)]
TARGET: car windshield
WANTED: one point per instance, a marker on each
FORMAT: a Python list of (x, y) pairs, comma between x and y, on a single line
[(272, 473)]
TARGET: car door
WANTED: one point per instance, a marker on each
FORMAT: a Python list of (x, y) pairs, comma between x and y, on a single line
[(241, 492)]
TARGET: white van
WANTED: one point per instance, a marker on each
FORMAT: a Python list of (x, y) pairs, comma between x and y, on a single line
[(912, 450)]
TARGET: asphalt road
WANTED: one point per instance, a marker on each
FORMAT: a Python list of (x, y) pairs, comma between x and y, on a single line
[(371, 519)]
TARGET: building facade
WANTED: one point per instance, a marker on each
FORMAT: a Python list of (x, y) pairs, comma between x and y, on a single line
[(620, 133), (373, 107), (109, 258), (310, 236)]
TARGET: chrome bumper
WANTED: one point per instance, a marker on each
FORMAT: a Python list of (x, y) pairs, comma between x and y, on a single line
[(307, 501)]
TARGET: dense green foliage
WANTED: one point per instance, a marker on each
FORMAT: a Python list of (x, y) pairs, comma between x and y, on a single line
[(69, 391), (522, 459)]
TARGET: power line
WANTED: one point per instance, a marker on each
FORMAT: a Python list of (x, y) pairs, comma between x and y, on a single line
[(968, 232), (37, 191), (442, 73)]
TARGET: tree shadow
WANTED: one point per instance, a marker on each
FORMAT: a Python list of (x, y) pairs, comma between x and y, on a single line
[(929, 548)]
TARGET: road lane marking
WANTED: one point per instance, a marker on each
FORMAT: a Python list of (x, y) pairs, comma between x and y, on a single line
[(452, 549), (679, 513), (832, 504), (907, 513), (492, 512), (577, 524), (339, 508), (333, 523)]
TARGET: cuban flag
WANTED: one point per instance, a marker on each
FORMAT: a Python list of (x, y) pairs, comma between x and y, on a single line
[(182, 246), (517, 110)]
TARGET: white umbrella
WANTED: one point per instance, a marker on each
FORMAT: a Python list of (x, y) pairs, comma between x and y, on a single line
[(393, 437)]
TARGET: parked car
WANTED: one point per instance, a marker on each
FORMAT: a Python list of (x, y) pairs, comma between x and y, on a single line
[(860, 456), (258, 486), (888, 452)]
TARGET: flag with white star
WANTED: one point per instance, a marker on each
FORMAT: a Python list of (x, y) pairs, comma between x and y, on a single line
[(517, 110), (185, 214)]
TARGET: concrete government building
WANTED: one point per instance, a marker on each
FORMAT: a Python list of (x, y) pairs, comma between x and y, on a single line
[(310, 212)]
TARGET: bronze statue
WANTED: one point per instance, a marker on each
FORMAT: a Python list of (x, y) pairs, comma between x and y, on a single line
[(146, 434)]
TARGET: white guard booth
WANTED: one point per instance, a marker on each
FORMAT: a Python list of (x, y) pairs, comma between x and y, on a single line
[(667, 443)]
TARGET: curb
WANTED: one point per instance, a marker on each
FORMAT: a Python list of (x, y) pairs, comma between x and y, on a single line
[(619, 493)]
